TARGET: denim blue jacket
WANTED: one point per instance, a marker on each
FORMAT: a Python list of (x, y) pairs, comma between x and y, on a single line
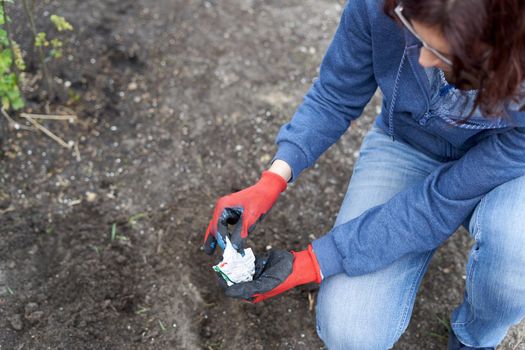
[(369, 50)]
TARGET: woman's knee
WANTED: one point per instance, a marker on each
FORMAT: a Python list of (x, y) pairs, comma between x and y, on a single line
[(498, 257), (347, 321), (498, 226), (498, 223), (348, 336)]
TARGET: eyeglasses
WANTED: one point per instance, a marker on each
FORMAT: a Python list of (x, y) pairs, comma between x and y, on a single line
[(399, 12)]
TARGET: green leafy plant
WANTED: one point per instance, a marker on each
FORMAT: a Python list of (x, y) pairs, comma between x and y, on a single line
[(11, 60), (60, 23), (48, 49), (54, 44), (11, 63)]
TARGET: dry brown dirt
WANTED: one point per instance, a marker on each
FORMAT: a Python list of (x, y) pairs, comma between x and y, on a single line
[(180, 102)]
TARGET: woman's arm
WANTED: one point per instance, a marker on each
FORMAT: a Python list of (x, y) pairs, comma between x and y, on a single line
[(345, 85), (423, 216), (280, 167)]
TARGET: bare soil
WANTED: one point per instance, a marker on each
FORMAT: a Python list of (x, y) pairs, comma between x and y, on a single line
[(180, 103)]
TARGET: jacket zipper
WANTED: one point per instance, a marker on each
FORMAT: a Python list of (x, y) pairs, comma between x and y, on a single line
[(426, 116)]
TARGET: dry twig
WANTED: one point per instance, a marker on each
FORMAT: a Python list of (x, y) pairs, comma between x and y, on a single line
[(311, 301), (77, 152), (7, 210), (49, 133), (518, 343), (49, 116), (15, 124)]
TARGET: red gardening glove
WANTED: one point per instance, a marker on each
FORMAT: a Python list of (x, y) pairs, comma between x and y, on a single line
[(276, 273), (243, 209)]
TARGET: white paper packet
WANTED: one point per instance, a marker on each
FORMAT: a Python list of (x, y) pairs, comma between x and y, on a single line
[(235, 268)]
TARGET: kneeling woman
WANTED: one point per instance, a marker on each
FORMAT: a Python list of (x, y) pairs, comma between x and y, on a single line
[(448, 149)]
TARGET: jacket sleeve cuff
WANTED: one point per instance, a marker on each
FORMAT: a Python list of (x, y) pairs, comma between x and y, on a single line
[(292, 155), (329, 259)]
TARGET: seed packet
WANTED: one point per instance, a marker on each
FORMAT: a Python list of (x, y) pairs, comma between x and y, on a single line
[(234, 267)]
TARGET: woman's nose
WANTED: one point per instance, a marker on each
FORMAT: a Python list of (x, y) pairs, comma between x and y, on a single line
[(427, 59)]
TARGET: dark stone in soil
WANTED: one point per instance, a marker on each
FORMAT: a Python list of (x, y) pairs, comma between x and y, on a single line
[(16, 322)]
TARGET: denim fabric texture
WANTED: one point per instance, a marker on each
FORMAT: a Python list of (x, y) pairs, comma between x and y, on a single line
[(454, 105), (371, 311)]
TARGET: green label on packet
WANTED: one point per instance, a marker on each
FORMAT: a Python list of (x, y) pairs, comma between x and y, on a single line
[(223, 275)]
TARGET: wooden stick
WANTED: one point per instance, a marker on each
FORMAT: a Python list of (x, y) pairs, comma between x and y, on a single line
[(4, 113), (311, 301), (11, 208), (48, 133), (77, 152), (48, 116), (517, 344)]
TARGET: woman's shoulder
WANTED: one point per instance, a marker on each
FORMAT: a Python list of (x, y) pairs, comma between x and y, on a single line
[(370, 8), (370, 13)]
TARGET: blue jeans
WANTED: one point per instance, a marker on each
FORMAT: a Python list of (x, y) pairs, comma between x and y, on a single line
[(373, 310)]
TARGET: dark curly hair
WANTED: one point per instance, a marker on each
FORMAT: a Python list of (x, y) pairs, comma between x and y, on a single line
[(487, 38)]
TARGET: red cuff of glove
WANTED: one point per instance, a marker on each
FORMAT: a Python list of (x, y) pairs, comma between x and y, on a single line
[(305, 269), (273, 180)]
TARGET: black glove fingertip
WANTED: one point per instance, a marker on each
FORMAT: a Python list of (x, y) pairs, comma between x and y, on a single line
[(236, 291), (236, 239), (222, 282), (210, 245)]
